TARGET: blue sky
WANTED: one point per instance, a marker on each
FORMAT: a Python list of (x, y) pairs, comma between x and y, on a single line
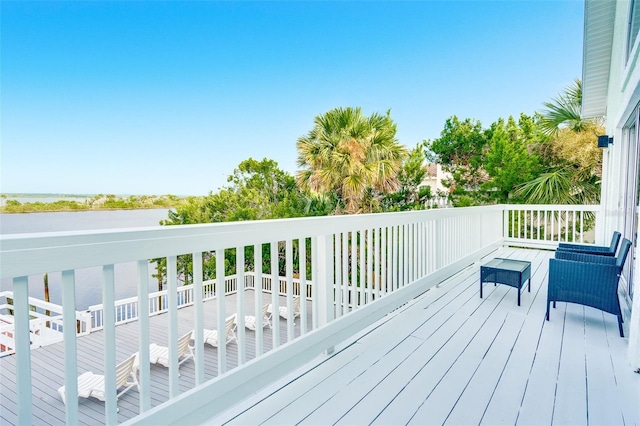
[(169, 97)]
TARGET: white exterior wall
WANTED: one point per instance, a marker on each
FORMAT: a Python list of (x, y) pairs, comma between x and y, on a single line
[(612, 183), (623, 98)]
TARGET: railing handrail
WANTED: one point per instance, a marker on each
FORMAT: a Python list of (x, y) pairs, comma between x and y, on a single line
[(31, 254)]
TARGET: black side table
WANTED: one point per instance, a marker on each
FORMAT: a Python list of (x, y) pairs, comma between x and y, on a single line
[(511, 272)]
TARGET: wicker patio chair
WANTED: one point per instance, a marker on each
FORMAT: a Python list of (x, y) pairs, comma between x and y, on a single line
[(588, 280), (591, 249)]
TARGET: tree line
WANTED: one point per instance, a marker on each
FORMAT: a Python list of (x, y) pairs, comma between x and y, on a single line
[(350, 163), (96, 202)]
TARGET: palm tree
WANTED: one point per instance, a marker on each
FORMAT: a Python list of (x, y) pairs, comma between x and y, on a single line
[(574, 161), (564, 111), (351, 155)]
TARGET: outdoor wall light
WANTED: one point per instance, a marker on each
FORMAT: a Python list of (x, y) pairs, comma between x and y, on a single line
[(604, 141)]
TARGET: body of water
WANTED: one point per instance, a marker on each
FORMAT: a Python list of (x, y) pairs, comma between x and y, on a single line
[(88, 280)]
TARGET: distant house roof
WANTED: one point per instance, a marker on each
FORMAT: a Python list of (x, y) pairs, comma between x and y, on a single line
[(432, 169), (598, 40)]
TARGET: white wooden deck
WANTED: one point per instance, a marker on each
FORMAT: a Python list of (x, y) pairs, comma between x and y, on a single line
[(449, 357), (446, 357)]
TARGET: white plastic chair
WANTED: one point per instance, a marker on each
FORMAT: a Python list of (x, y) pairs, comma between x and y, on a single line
[(284, 310), (92, 385), (211, 336), (251, 322), (160, 354)]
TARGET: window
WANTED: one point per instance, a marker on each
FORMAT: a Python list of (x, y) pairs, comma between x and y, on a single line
[(634, 26)]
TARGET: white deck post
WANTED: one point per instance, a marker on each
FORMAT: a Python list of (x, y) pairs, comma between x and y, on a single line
[(302, 265), (109, 315), (220, 295), (144, 371), (23, 348), (70, 346), (289, 272), (198, 317), (240, 304), (172, 308), (275, 294), (257, 297), (323, 280)]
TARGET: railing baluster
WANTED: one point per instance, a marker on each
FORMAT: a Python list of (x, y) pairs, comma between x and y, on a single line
[(289, 272), (108, 301), (70, 346), (371, 281), (258, 300), (365, 240), (302, 243), (353, 293), (198, 319), (382, 258), (172, 307), (222, 311), (345, 273), (240, 305), (22, 343), (275, 294)]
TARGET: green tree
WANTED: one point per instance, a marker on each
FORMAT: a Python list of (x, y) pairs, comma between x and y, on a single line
[(573, 161), (508, 160), (355, 156), (460, 150), (411, 195), (256, 190)]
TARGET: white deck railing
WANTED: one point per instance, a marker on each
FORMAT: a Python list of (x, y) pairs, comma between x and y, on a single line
[(45, 323), (355, 260), (127, 309)]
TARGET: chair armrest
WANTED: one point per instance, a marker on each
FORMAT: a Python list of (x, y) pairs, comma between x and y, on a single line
[(585, 257), (587, 251), (586, 248)]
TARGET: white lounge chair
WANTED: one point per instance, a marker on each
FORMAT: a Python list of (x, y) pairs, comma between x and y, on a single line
[(284, 310), (92, 385), (250, 321), (211, 336), (160, 354)]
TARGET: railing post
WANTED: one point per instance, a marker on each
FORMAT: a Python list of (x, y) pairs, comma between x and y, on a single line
[(108, 300), (198, 317), (70, 346), (240, 293), (323, 281), (172, 308), (275, 294), (505, 222), (221, 314), (144, 370), (22, 347)]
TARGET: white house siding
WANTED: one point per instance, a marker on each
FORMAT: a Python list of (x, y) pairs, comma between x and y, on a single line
[(623, 97)]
